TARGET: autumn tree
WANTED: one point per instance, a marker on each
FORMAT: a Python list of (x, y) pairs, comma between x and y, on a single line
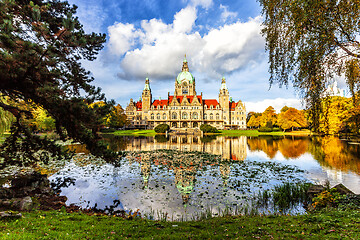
[(41, 45), (308, 42), (336, 114), (42, 120), (6, 118), (250, 114), (284, 109), (268, 117), (353, 80), (254, 122), (291, 118), (117, 117)]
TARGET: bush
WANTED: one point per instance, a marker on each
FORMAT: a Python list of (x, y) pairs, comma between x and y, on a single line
[(206, 128), (265, 129), (107, 130), (161, 128)]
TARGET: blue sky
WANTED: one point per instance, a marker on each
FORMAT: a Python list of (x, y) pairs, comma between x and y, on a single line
[(151, 37)]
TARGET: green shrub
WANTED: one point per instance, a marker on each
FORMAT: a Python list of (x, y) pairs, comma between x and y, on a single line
[(206, 128), (265, 129), (161, 128), (107, 130)]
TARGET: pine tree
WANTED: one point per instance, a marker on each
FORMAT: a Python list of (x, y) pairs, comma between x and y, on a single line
[(41, 45)]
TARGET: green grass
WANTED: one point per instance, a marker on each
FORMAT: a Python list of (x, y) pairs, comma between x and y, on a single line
[(333, 224), (134, 132), (257, 133)]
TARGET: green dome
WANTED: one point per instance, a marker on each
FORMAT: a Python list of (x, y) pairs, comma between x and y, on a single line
[(185, 75)]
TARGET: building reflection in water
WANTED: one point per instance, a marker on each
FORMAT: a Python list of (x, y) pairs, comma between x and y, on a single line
[(233, 148), (185, 166)]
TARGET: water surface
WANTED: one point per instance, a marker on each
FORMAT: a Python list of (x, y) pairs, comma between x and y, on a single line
[(182, 184)]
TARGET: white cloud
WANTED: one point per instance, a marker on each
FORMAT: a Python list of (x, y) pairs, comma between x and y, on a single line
[(226, 13), (276, 103), (184, 20), (161, 47), (232, 47), (122, 37)]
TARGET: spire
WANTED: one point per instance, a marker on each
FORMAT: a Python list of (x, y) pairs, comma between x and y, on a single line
[(185, 67), (147, 84), (223, 84)]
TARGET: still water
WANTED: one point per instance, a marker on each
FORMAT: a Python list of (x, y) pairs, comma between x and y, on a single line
[(182, 183)]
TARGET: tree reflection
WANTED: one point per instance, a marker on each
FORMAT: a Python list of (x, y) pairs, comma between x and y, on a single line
[(332, 152), (293, 148), (289, 147)]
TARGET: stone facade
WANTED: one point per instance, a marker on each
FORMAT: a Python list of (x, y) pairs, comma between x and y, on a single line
[(185, 109)]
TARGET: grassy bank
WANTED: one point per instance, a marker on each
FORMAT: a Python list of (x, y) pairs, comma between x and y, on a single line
[(257, 133), (334, 224), (134, 133)]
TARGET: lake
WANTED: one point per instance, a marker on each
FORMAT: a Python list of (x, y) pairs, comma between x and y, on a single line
[(183, 176)]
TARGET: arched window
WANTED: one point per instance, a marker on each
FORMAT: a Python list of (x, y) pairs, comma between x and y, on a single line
[(152, 116), (217, 116), (158, 116), (174, 125), (211, 116), (184, 125), (184, 115), (195, 124), (205, 116), (164, 116), (195, 115), (174, 116)]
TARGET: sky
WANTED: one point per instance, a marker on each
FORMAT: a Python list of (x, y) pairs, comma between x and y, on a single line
[(149, 38)]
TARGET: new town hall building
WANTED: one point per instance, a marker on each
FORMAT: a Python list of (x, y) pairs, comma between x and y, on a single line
[(186, 109)]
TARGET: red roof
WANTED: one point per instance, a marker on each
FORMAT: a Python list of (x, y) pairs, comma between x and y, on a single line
[(232, 105), (209, 102), (160, 103), (139, 106)]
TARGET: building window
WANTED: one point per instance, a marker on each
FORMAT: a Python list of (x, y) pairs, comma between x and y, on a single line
[(195, 115), (217, 116), (152, 116), (164, 116), (205, 116), (211, 116), (174, 116), (184, 115), (158, 116)]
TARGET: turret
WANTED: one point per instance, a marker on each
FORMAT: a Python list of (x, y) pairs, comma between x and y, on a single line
[(224, 95), (146, 96)]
